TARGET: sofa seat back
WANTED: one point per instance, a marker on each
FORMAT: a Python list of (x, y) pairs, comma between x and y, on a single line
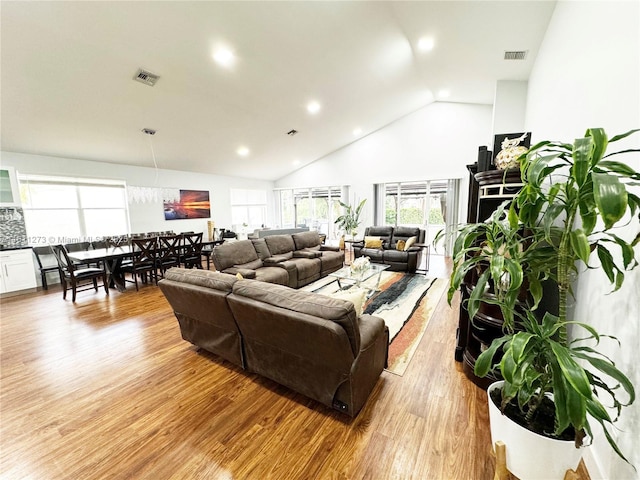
[(383, 232), (239, 254), (404, 233), (193, 296), (281, 246), (302, 340), (307, 240)]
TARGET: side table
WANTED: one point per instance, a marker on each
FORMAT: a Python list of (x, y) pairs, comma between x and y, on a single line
[(350, 247), (424, 254)]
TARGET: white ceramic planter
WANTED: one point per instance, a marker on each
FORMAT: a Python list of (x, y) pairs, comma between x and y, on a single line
[(531, 456)]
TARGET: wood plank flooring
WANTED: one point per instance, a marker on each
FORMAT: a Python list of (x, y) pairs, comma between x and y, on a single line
[(106, 388)]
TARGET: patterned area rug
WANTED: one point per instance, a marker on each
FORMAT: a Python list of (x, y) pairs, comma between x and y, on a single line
[(405, 302)]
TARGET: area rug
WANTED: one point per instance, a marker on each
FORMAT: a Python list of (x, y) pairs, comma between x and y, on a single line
[(406, 303)]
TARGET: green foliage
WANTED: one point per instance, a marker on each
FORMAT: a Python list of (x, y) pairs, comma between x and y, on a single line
[(573, 197), (350, 219)]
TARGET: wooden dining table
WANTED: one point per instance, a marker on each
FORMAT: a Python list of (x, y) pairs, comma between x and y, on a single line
[(111, 258)]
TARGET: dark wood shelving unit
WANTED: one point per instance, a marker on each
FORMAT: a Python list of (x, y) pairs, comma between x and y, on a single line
[(487, 190)]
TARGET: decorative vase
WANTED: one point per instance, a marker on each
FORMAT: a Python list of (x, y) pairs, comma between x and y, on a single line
[(531, 456), (511, 150)]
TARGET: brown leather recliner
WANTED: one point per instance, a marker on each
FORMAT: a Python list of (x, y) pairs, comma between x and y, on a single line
[(398, 260), (313, 344)]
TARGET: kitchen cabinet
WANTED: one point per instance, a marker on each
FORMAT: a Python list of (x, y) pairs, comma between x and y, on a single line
[(16, 270)]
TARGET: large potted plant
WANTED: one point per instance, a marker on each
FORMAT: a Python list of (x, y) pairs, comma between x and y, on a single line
[(574, 196), (349, 221)]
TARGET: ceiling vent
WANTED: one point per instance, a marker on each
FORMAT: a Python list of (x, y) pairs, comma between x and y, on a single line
[(515, 55), (148, 78)]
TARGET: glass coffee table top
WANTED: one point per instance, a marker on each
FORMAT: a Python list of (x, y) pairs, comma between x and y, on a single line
[(359, 277)]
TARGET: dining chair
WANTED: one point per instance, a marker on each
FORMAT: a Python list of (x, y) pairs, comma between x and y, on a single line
[(72, 277), (80, 247), (47, 263), (117, 241), (143, 261), (169, 251), (192, 250)]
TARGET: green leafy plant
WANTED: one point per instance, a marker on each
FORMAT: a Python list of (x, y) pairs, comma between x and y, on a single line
[(349, 221), (574, 196)]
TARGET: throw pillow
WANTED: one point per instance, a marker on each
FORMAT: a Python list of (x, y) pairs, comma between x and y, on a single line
[(355, 295), (410, 241), (372, 242), (400, 245)]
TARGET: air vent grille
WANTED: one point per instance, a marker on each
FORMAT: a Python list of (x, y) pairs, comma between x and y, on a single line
[(146, 77), (515, 54)]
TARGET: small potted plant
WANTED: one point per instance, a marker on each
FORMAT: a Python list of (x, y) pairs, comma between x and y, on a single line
[(573, 198)]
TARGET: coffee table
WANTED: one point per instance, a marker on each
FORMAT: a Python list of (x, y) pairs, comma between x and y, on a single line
[(358, 278)]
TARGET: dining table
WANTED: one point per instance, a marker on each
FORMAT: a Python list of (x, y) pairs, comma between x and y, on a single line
[(111, 258)]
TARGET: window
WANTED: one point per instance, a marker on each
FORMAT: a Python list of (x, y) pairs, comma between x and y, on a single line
[(248, 209), (65, 210), (315, 208), (416, 204)]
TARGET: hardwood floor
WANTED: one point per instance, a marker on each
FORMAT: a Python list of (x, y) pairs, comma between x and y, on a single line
[(106, 388)]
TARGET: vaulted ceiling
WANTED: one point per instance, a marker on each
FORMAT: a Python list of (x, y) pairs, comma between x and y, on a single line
[(68, 90)]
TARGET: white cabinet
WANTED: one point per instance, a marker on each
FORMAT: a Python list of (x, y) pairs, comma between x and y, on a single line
[(16, 270)]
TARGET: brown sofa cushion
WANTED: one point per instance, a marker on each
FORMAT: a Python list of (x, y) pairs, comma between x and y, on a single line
[(278, 258), (280, 244), (261, 248), (203, 278), (306, 239), (339, 311), (250, 265), (233, 253)]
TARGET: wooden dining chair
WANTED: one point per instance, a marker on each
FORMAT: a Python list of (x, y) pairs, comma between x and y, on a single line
[(47, 263), (143, 261), (168, 253), (192, 250), (72, 276)]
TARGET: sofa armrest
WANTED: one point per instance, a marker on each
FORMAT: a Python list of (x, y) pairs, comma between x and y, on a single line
[(245, 272), (329, 248), (288, 265), (306, 254)]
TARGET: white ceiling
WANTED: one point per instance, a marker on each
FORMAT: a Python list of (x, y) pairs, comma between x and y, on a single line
[(67, 70)]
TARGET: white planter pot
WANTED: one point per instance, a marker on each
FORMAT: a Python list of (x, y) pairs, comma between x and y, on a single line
[(531, 456)]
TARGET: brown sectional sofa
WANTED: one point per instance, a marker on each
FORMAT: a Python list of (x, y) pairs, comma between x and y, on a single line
[(293, 260), (313, 344)]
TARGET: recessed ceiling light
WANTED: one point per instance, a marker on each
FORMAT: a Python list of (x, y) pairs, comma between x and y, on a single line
[(243, 151), (224, 57), (313, 107), (444, 93), (357, 131), (426, 44)]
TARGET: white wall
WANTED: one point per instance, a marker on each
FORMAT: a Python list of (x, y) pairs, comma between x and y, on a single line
[(509, 106), (587, 75), (435, 142), (145, 217)]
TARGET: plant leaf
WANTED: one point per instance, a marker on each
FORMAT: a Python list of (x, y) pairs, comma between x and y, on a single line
[(580, 245), (582, 155), (624, 135), (600, 143), (611, 198), (572, 372), (485, 359)]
